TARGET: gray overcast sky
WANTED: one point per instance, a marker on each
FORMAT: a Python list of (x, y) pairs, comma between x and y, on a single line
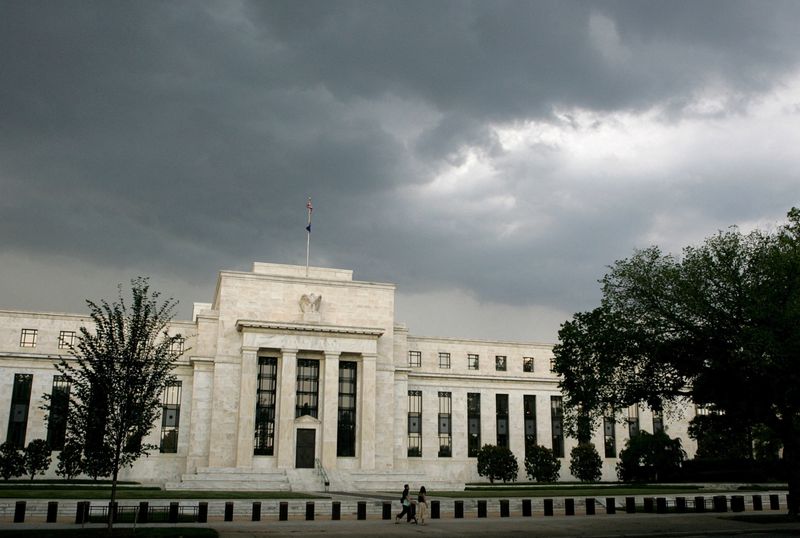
[(490, 158)]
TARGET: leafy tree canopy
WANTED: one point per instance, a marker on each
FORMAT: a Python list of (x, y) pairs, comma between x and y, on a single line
[(36, 457), (541, 464), (585, 463), (497, 463), (719, 325)]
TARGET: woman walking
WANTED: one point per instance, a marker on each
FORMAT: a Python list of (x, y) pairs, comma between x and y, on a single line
[(422, 500), (405, 503)]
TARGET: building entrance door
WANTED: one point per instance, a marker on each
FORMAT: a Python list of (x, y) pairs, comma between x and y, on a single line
[(306, 440)]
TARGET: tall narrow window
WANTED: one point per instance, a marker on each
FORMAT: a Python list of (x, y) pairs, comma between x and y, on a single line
[(415, 359), (346, 433), (473, 424), (444, 360), (633, 421), (66, 339), (501, 403), (473, 362), (171, 417), (307, 387), (18, 417), (445, 428), (557, 423), (27, 337), (658, 421), (59, 409), (610, 434), (414, 423), (529, 407), (264, 442)]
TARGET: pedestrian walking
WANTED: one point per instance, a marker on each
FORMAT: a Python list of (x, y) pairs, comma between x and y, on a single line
[(405, 502), (422, 502)]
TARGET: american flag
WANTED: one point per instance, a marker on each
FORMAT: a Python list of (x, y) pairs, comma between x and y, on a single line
[(308, 205)]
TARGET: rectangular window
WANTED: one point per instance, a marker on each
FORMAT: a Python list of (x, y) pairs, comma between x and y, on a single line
[(177, 346), (445, 428), (473, 424), (171, 417), (633, 420), (610, 434), (18, 416), (529, 407), (346, 433), (500, 363), (527, 364), (415, 359), (552, 365), (414, 423), (66, 339), (557, 424), (307, 388), (658, 421), (501, 407), (27, 337), (444, 360), (59, 410), (473, 362), (264, 442)]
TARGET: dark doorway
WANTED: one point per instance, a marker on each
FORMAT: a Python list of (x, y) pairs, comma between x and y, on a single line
[(306, 439)]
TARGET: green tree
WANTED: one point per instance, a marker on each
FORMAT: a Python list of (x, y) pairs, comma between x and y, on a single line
[(36, 457), (585, 463), (495, 462), (718, 437), (12, 463), (541, 465), (719, 325), (70, 460), (117, 373), (650, 457)]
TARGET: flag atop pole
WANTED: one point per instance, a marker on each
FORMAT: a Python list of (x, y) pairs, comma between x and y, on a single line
[(308, 229)]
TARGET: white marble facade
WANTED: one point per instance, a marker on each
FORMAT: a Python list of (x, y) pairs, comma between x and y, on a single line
[(276, 311)]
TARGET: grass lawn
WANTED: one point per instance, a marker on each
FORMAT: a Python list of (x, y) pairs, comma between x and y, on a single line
[(474, 492), (82, 492), (144, 532)]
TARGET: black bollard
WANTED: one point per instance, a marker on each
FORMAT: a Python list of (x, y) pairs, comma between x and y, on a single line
[(336, 511), (283, 511), (228, 510), (256, 511), (19, 512), (361, 512), (569, 507), (202, 512), (309, 511), (630, 505), (144, 512), (590, 506), (526, 508), (661, 505), (481, 508), (504, 510), (737, 503), (548, 507), (611, 505), (774, 502), (52, 512), (82, 512), (113, 508), (680, 504), (757, 503), (458, 509), (435, 510), (174, 509), (649, 505), (720, 503), (699, 504), (387, 510)]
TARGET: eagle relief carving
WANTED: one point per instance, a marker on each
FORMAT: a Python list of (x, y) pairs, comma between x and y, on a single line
[(309, 305)]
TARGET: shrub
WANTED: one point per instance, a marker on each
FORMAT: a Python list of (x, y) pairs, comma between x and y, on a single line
[(495, 462), (585, 463), (11, 461), (650, 458), (541, 465), (36, 458), (70, 460)]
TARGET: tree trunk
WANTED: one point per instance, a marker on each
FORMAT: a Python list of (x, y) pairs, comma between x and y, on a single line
[(114, 474)]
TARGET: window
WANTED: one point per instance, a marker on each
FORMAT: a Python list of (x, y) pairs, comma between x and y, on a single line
[(444, 360), (501, 407), (170, 417), (177, 346), (27, 338), (473, 424), (59, 410), (500, 363), (445, 428), (346, 432), (472, 362), (66, 339), (633, 420), (557, 423), (307, 388), (527, 364), (414, 423), (610, 434), (658, 421), (18, 416), (552, 365), (415, 359), (264, 442), (529, 408)]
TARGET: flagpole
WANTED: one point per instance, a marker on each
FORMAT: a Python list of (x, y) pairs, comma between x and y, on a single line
[(308, 235)]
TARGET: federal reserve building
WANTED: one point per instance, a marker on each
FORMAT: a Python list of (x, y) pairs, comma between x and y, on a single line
[(296, 378)]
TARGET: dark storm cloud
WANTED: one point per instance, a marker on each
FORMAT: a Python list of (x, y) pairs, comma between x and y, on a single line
[(183, 138)]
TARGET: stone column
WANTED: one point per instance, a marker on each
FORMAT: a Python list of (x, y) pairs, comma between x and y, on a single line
[(287, 384), (330, 410), (200, 417), (368, 380), (247, 408)]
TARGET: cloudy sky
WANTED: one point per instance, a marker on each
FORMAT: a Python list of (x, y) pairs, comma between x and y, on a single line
[(490, 158)]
